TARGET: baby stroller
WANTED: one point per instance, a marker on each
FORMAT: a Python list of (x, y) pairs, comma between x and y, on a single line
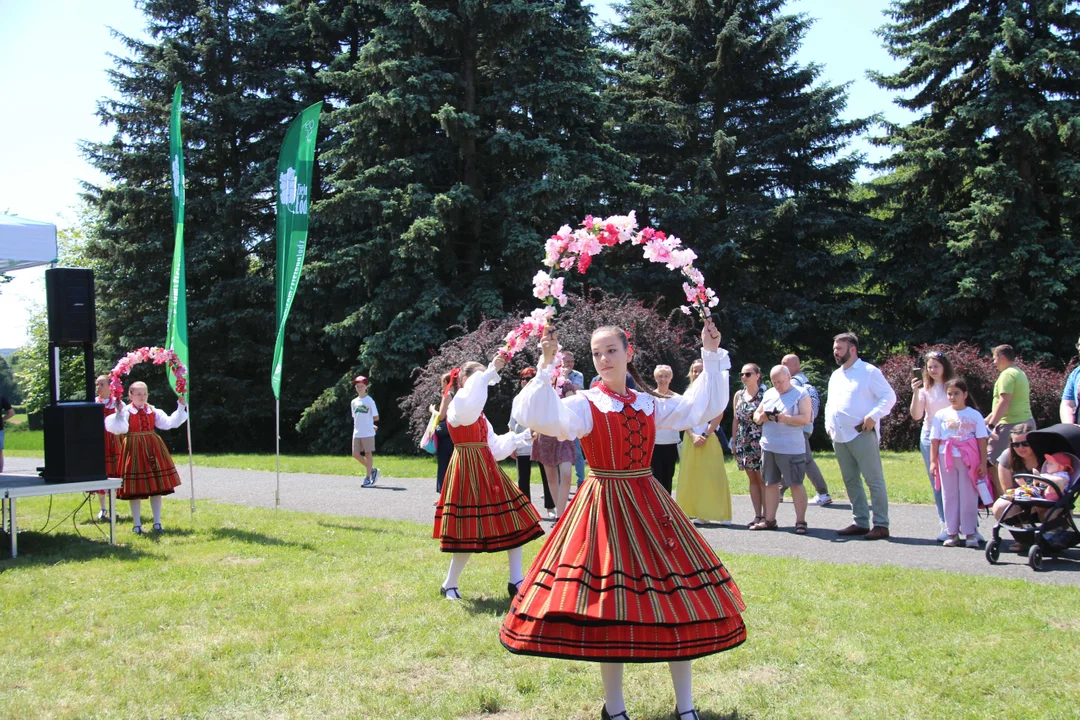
[(1046, 526)]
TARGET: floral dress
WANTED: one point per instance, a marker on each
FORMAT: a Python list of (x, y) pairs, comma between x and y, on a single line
[(747, 441)]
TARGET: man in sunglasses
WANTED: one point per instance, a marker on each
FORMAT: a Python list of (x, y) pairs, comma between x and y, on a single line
[(1068, 396)]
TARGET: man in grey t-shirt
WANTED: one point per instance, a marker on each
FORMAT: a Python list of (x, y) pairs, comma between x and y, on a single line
[(794, 366), (783, 412)]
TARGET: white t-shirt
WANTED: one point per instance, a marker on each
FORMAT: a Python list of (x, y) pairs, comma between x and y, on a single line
[(949, 424), (363, 412), (666, 436), (934, 399)]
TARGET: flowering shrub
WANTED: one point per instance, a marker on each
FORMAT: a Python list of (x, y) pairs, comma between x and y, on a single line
[(656, 340), (900, 432)]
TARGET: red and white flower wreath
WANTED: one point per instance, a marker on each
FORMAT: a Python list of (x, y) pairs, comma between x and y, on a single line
[(568, 250), (156, 355)]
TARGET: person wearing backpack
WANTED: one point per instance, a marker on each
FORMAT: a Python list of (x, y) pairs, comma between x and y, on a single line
[(798, 379)]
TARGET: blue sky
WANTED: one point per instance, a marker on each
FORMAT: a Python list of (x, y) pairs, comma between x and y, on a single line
[(55, 55)]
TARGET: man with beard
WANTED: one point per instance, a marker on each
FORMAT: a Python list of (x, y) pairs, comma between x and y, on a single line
[(859, 396)]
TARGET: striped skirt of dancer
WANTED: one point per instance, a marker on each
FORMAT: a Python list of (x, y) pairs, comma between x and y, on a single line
[(479, 509), (625, 577), (146, 467)]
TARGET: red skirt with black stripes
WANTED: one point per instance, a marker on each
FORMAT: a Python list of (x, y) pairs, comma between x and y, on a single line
[(479, 509), (625, 577)]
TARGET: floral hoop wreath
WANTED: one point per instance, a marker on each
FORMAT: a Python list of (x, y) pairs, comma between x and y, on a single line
[(156, 355), (569, 249)]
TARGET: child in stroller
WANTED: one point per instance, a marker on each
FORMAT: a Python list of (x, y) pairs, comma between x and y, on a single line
[(1038, 514)]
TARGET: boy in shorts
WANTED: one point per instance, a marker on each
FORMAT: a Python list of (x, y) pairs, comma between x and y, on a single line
[(364, 416)]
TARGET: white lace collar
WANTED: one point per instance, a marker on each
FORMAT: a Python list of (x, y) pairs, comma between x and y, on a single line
[(643, 402)]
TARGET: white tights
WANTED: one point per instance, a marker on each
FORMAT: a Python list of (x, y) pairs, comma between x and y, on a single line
[(458, 561), (681, 679), (155, 507)]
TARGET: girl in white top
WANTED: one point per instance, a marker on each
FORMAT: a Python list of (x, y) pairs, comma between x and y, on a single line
[(962, 430), (927, 397)]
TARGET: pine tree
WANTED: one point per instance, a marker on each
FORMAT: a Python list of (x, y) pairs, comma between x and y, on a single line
[(234, 59), (741, 154), (982, 201), (469, 132)]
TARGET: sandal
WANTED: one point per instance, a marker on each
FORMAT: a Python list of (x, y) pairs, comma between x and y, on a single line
[(764, 525), (757, 518), (800, 528)]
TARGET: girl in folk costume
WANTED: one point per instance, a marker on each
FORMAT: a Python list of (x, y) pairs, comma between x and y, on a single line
[(479, 509), (146, 467), (624, 576), (114, 444)]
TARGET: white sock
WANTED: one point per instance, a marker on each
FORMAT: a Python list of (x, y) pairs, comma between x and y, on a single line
[(103, 499), (514, 555), (155, 506), (136, 508), (681, 678), (457, 564), (611, 674)]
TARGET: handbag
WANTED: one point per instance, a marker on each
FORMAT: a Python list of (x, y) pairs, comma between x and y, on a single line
[(427, 442)]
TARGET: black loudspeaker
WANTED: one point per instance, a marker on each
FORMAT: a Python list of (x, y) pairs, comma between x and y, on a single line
[(74, 442), (69, 293)]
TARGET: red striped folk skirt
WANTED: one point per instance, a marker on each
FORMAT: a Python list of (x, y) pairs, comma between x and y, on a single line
[(114, 453), (146, 467), (479, 509), (625, 577)]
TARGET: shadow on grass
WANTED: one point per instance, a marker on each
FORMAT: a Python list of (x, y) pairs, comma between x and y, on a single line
[(704, 715), (256, 538), (497, 606), (37, 548), (364, 529)]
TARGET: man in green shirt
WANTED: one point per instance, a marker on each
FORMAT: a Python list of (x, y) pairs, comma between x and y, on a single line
[(1012, 406)]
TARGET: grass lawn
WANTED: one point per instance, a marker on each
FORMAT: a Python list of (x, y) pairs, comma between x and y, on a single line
[(248, 613), (904, 471)]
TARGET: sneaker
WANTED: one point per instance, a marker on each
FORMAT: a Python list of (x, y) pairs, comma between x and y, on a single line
[(943, 535), (137, 530), (822, 499), (103, 515), (374, 475), (367, 481), (952, 541), (551, 515), (972, 541), (725, 523)]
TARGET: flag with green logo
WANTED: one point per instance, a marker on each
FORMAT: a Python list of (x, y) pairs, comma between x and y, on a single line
[(176, 334), (293, 198)]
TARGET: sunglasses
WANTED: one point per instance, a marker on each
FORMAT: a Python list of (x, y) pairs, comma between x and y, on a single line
[(1021, 444), (748, 374)]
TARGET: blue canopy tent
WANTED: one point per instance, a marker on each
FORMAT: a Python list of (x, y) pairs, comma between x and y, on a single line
[(25, 243)]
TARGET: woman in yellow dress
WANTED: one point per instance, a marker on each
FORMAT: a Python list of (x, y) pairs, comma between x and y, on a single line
[(703, 492)]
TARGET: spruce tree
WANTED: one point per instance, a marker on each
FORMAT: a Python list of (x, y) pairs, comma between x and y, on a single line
[(234, 58), (468, 133), (982, 200), (741, 153)]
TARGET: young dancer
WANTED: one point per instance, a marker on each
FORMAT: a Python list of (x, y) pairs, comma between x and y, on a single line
[(479, 509), (146, 466), (958, 439), (114, 444), (624, 576)]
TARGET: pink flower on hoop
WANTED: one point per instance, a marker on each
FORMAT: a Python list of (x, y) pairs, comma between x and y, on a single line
[(156, 355)]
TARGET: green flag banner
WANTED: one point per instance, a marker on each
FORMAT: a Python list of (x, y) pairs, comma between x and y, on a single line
[(293, 197), (176, 334)]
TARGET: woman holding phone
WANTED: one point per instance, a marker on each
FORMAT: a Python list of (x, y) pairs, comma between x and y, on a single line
[(927, 398)]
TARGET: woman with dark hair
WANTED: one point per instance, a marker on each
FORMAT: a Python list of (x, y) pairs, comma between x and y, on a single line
[(928, 396)]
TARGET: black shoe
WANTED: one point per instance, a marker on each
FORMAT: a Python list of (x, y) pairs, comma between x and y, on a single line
[(688, 715), (450, 593), (618, 716), (512, 588)]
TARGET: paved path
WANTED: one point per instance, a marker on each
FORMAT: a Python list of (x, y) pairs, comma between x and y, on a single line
[(911, 545)]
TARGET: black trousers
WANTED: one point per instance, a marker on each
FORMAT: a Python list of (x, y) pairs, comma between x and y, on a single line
[(664, 458), (524, 470)]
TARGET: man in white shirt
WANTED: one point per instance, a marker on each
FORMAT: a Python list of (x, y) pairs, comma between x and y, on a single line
[(859, 397)]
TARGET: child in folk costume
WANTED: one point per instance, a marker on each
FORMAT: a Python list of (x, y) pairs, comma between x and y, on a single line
[(114, 444), (146, 466), (624, 576), (479, 509)]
